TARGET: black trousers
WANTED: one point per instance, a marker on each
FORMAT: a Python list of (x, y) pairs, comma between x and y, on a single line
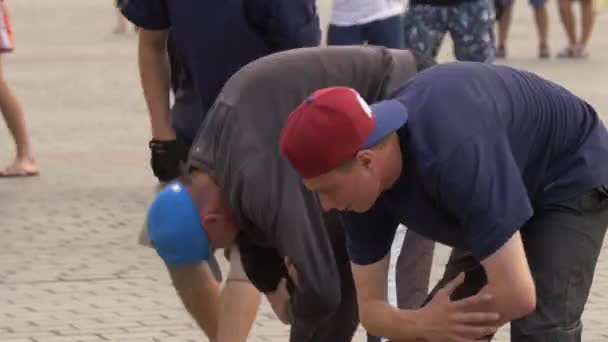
[(562, 243)]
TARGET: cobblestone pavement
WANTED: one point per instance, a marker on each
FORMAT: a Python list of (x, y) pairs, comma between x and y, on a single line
[(69, 266)]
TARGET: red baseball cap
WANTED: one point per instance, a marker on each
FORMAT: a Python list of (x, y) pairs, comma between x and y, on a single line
[(332, 125)]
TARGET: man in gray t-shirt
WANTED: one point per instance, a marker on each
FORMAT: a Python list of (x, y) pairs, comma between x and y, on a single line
[(242, 190)]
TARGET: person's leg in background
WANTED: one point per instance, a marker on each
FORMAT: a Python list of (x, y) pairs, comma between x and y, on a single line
[(588, 20), (541, 18), (413, 270), (576, 48), (567, 17), (470, 25), (24, 163), (385, 32), (562, 280), (344, 35), (424, 27), (504, 11)]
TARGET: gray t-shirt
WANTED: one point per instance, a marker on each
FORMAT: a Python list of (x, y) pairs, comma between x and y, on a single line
[(239, 147)]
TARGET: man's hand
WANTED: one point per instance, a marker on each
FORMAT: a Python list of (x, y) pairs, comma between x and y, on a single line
[(444, 320), (166, 158), (279, 301), (291, 270)]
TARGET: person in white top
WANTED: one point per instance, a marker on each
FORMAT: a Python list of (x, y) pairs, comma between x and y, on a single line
[(375, 22)]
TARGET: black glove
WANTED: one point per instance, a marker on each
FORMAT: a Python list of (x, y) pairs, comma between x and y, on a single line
[(166, 158)]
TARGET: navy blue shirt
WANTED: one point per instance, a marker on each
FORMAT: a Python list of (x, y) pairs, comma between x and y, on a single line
[(484, 147), (216, 38)]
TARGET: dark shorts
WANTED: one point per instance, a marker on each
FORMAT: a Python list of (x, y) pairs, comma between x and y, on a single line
[(562, 243), (469, 24)]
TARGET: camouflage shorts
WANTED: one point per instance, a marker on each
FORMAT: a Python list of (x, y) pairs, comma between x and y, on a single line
[(469, 25)]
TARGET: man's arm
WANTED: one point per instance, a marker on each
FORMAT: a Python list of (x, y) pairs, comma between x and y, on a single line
[(441, 320), (226, 315), (155, 76), (152, 19), (200, 294), (369, 238), (240, 302), (480, 184), (510, 281)]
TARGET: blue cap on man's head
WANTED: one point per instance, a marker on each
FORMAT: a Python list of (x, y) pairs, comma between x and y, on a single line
[(175, 228)]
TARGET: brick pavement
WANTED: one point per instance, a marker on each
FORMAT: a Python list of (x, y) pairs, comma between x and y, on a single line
[(69, 269)]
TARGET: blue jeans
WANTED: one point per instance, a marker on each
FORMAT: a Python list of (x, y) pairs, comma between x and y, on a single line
[(386, 32)]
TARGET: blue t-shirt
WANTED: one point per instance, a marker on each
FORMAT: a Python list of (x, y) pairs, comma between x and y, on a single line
[(484, 147), (216, 38)]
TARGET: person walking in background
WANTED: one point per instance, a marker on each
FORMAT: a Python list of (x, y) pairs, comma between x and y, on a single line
[(577, 47), (375, 22), (504, 11), (24, 164)]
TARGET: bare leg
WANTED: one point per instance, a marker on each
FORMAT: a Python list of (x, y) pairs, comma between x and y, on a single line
[(567, 16), (503, 29), (588, 19), (413, 270), (542, 26), (24, 163)]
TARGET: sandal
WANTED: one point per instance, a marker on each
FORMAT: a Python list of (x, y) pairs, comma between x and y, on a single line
[(567, 52), (580, 52), (543, 52)]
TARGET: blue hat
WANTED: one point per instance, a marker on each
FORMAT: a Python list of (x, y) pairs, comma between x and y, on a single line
[(175, 228), (389, 116)]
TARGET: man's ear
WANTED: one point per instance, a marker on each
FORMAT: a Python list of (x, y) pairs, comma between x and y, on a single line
[(210, 220), (364, 158)]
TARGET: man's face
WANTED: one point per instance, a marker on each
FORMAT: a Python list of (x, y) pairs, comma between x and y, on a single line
[(356, 187)]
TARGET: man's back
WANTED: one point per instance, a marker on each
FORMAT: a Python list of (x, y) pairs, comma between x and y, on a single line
[(255, 102), (553, 135)]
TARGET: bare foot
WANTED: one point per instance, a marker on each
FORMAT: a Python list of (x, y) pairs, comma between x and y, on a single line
[(23, 167)]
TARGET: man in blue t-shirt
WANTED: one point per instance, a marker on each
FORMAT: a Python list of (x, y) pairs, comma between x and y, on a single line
[(504, 166), (210, 41)]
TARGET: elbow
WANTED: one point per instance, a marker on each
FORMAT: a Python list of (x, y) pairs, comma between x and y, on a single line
[(521, 302), (526, 304)]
